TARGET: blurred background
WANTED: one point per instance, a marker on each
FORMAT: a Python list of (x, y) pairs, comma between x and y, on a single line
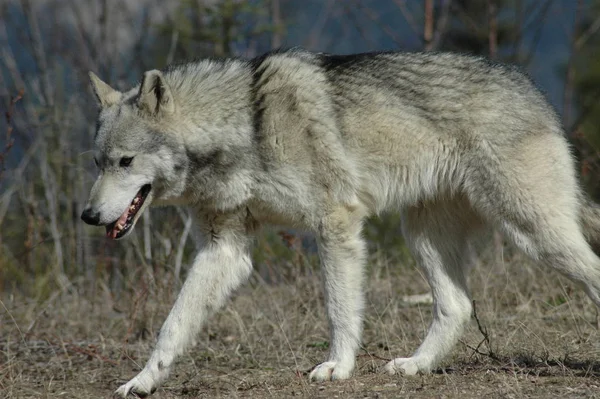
[(47, 124)]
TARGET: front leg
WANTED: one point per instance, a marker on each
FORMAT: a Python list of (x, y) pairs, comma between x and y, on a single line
[(342, 252), (220, 267)]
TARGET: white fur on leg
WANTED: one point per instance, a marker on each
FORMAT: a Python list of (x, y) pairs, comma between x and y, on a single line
[(331, 371), (437, 237), (150, 378), (402, 365), (342, 253), (145, 383), (219, 268)]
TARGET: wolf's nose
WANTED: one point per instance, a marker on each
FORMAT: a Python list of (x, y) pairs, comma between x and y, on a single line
[(90, 217)]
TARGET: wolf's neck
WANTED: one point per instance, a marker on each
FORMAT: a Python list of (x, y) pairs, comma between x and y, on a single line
[(212, 92)]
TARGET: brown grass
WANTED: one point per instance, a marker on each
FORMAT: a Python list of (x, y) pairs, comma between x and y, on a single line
[(542, 340)]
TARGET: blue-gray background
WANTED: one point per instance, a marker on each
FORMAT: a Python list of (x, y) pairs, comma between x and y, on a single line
[(48, 46)]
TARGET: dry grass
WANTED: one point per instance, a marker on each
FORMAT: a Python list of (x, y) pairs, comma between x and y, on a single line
[(543, 340)]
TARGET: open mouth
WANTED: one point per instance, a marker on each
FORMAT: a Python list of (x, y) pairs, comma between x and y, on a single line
[(125, 222)]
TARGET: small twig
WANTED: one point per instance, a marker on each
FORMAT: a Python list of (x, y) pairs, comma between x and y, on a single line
[(93, 352), (370, 355), (481, 328), (56, 341), (486, 338), (476, 351)]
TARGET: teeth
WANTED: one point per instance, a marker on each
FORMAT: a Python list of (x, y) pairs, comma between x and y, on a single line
[(132, 208), (120, 226), (136, 200)]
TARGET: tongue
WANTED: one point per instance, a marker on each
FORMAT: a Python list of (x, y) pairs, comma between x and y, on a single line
[(121, 221)]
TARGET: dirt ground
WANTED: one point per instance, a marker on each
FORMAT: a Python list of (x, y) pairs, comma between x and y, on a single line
[(534, 336)]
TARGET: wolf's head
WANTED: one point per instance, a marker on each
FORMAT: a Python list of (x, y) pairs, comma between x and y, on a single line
[(140, 159)]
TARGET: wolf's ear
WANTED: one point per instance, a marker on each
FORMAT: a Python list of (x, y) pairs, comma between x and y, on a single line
[(155, 94), (105, 94)]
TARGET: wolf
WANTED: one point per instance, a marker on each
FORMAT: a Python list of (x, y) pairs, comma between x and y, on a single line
[(320, 142)]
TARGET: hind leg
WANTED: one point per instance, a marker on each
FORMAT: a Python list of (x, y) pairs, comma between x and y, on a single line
[(534, 199), (557, 241), (437, 234)]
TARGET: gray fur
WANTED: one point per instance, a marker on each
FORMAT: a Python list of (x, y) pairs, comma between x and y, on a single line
[(320, 142)]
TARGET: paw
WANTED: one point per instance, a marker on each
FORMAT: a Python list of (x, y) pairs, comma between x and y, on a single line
[(135, 388), (142, 385), (403, 365), (330, 371)]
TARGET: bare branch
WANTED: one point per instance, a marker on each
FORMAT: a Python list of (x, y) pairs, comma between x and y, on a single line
[(173, 46), (408, 16), (276, 38), (187, 220), (541, 20), (468, 20), (589, 32), (442, 24), (492, 28), (350, 13), (428, 27), (570, 75), (386, 28), (147, 236), (17, 178), (316, 32), (584, 112), (9, 129), (36, 43)]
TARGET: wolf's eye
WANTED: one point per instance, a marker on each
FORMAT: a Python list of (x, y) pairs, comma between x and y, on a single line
[(96, 162), (125, 161)]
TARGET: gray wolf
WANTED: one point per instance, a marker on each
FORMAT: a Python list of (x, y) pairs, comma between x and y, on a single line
[(320, 142)]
